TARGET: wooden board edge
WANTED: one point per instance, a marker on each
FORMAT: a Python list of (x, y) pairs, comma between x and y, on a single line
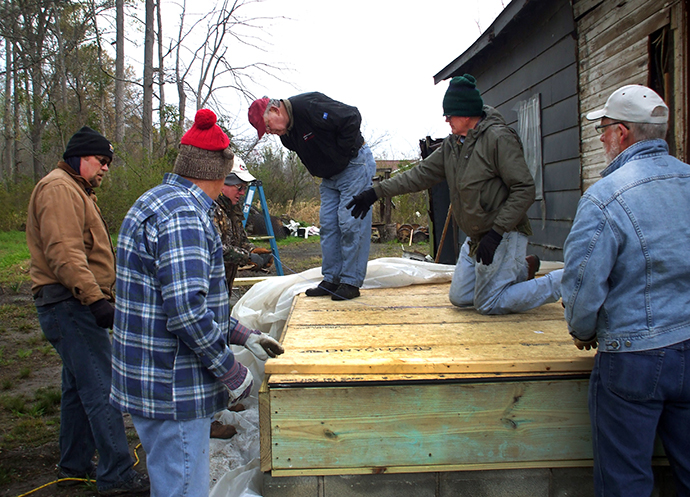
[(265, 452), (445, 468), (553, 366), (287, 321), (577, 463)]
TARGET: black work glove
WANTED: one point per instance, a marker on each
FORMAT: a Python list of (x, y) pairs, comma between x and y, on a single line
[(361, 202), (586, 344), (487, 247), (104, 312)]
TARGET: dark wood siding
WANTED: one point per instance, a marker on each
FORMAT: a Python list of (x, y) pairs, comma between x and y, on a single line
[(537, 53)]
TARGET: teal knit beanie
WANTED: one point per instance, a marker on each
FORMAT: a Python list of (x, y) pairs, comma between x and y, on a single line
[(462, 97)]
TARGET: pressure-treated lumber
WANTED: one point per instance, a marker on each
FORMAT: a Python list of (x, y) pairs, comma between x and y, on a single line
[(430, 426)]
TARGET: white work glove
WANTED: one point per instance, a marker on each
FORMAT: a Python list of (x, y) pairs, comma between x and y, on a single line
[(239, 382), (263, 346)]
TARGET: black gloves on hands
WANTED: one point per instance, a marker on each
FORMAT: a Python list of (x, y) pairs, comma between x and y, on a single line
[(487, 247), (361, 202), (586, 344), (104, 312)]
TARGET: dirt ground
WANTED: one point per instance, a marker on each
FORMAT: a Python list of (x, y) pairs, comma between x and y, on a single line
[(30, 374)]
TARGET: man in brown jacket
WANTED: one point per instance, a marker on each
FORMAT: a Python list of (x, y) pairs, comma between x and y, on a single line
[(73, 273), (491, 190)]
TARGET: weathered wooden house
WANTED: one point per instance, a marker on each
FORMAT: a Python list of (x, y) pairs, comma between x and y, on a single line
[(544, 64)]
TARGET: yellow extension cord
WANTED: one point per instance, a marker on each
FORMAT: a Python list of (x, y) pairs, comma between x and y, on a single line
[(136, 456)]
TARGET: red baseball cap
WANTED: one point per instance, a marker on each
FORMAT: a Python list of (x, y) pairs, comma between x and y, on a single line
[(256, 115)]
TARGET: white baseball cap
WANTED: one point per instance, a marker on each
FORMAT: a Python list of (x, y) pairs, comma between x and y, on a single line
[(633, 104), (239, 172)]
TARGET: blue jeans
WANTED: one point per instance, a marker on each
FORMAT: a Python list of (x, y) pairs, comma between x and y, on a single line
[(344, 239), (502, 287), (87, 420), (177, 455), (632, 397)]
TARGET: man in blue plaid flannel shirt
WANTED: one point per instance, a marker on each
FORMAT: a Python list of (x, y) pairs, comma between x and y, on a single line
[(173, 368)]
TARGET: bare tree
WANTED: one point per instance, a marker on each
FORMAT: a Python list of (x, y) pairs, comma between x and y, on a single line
[(120, 71), (161, 76), (147, 108), (211, 59)]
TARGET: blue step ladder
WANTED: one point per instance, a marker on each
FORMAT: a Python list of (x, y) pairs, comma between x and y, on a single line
[(255, 186)]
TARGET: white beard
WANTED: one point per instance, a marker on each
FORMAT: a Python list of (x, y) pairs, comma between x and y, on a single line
[(612, 151)]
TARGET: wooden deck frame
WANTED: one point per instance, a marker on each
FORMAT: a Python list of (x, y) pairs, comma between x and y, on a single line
[(401, 381)]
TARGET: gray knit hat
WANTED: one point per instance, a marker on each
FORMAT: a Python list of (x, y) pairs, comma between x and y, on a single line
[(205, 151)]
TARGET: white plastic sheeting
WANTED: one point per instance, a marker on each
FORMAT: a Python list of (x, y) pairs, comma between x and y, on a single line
[(235, 462)]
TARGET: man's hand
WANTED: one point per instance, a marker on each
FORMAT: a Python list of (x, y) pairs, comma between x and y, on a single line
[(104, 312), (239, 382), (586, 344), (487, 247), (361, 202), (263, 346)]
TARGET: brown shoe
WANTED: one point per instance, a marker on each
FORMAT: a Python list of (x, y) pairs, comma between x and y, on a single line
[(219, 430), (533, 264)]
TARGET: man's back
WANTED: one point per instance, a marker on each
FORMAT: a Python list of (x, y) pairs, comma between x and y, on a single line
[(634, 219)]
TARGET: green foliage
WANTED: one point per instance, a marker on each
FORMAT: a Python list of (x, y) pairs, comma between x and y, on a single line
[(24, 353), (47, 400), (13, 403), (14, 199), (29, 431), (412, 208), (14, 260), (284, 177), (123, 185)]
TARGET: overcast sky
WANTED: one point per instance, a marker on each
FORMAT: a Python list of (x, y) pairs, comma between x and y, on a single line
[(378, 55)]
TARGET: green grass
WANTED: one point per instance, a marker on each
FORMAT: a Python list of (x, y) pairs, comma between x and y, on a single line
[(295, 240), (14, 259)]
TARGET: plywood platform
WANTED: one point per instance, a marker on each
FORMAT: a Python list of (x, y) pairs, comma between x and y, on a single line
[(416, 330), (399, 380)]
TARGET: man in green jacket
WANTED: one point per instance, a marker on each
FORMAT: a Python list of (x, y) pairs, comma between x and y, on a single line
[(491, 189)]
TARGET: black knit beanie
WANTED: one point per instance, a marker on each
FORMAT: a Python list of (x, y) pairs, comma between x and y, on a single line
[(87, 142), (462, 97)]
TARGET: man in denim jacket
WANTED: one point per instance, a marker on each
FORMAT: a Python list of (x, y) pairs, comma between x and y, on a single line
[(626, 288)]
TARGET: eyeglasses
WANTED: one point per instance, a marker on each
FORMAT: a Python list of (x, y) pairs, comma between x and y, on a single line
[(241, 188), (103, 160), (601, 127)]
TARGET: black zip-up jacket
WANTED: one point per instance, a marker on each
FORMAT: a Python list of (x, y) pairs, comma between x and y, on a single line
[(324, 133)]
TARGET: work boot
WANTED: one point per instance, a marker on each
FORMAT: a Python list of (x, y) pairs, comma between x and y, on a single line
[(138, 483), (324, 288), (345, 292), (70, 479), (219, 430), (533, 264)]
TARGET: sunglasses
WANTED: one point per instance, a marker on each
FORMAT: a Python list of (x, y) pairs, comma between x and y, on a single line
[(103, 160)]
